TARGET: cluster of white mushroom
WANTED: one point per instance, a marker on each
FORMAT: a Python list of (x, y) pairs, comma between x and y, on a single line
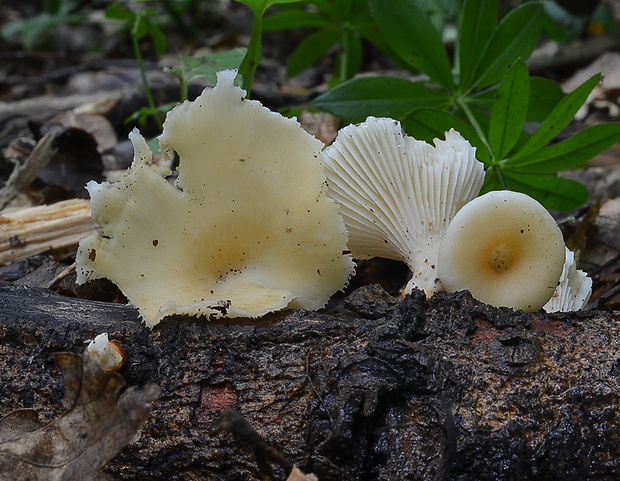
[(403, 199), (259, 215)]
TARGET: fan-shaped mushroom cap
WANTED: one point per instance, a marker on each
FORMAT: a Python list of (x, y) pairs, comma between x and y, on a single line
[(574, 289), (505, 248), (246, 229), (397, 194)]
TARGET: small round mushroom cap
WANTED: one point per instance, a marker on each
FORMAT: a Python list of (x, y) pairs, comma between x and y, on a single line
[(247, 227), (573, 291), (506, 249), (397, 194)]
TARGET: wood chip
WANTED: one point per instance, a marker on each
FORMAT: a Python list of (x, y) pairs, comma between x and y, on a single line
[(35, 230)]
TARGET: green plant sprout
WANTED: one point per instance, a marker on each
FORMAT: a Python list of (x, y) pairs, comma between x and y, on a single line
[(140, 25), (205, 67), (253, 56), (486, 94)]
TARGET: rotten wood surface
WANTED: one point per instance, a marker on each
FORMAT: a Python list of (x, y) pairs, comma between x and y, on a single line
[(385, 389)]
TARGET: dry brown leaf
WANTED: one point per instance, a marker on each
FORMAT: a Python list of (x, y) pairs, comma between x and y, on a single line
[(98, 423), (25, 172)]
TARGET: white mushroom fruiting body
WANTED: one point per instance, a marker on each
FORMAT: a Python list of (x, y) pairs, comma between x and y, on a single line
[(397, 194), (247, 228), (506, 249), (574, 289), (108, 354)]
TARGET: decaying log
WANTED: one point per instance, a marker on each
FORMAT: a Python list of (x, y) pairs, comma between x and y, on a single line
[(387, 389)]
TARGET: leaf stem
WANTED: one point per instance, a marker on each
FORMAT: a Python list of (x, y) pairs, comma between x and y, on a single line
[(474, 123), (460, 101), (252, 58), (147, 90), (343, 66)]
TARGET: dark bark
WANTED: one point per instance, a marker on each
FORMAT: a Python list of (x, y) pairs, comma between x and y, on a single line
[(445, 388)]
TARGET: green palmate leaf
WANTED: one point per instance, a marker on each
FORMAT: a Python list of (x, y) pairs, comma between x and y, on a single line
[(413, 38), (569, 153), (484, 99), (515, 37), (551, 191), (477, 21), (294, 19), (356, 99), (545, 94), (559, 118), (509, 110), (428, 124), (311, 49)]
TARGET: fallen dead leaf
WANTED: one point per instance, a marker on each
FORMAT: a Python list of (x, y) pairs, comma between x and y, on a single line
[(98, 423)]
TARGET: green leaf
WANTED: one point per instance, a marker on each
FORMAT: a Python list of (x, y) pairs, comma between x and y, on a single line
[(259, 6), (491, 182), (559, 118), (545, 94), (509, 111), (569, 153), (413, 38), (379, 96), (116, 12), (375, 37), (294, 19), (477, 22), (158, 37), (205, 67), (142, 25), (325, 6), (515, 37), (311, 49), (551, 191), (427, 124), (483, 99)]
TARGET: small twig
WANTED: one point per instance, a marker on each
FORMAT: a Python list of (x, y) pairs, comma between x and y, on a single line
[(231, 421)]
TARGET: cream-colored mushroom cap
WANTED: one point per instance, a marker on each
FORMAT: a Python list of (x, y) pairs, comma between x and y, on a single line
[(574, 289), (506, 249), (397, 194), (247, 228)]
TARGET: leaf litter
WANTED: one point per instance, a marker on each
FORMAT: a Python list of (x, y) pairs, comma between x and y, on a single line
[(97, 424)]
